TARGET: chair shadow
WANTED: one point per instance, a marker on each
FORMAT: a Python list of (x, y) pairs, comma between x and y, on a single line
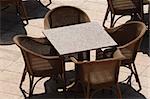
[(11, 24), (127, 93), (51, 92), (35, 9)]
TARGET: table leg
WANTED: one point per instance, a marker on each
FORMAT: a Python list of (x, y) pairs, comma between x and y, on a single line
[(64, 75)]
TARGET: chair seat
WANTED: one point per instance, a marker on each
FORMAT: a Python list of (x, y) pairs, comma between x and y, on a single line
[(124, 7), (40, 64), (44, 67), (100, 77), (123, 11), (146, 2)]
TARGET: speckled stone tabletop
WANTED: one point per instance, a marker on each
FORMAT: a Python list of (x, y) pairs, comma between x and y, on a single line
[(80, 37)]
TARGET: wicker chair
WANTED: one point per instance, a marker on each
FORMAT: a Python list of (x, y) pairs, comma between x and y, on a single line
[(64, 16), (41, 60), (99, 74), (123, 8), (19, 5), (147, 20), (129, 36)]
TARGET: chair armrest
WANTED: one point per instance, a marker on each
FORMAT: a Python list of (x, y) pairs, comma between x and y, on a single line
[(119, 55), (75, 61), (112, 30), (42, 40), (49, 57)]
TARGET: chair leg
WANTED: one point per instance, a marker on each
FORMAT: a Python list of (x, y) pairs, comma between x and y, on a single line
[(105, 18), (112, 20), (137, 77), (88, 92), (23, 11), (83, 86), (149, 19), (84, 90), (33, 84), (22, 80), (130, 77), (49, 3), (118, 92), (31, 78), (133, 72)]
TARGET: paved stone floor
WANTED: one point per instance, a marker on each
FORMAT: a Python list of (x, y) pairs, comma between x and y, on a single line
[(11, 61)]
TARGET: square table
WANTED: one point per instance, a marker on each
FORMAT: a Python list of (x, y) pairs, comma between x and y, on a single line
[(79, 37)]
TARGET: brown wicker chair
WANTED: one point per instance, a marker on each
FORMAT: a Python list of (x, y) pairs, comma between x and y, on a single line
[(123, 8), (41, 60), (64, 16), (99, 74), (19, 5), (129, 36), (147, 15)]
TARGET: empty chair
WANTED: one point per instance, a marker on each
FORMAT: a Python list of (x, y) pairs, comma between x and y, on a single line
[(146, 15), (123, 8), (19, 5), (129, 37), (99, 74), (41, 60), (64, 16)]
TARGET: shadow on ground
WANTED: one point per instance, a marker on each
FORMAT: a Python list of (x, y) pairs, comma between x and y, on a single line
[(11, 23), (127, 93), (35, 9), (145, 45), (51, 91)]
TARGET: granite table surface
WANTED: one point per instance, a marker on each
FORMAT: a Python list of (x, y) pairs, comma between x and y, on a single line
[(79, 37)]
